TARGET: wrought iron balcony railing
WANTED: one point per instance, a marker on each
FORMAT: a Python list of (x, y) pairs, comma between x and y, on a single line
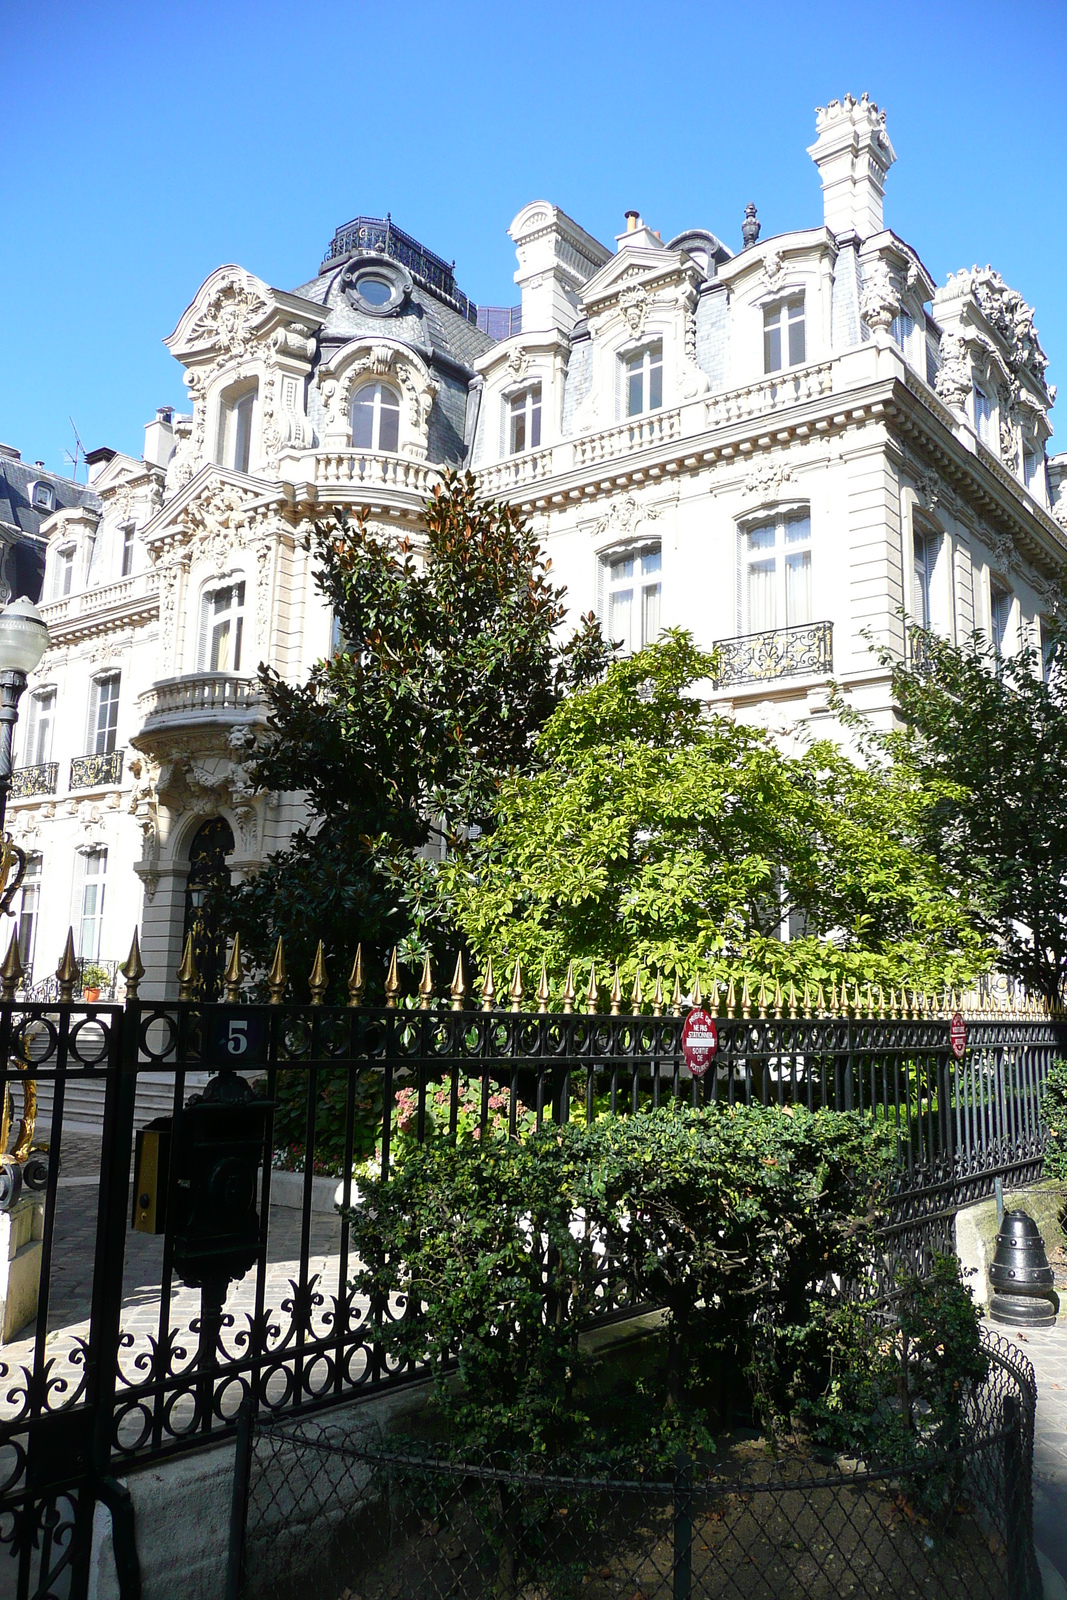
[(382, 235), (96, 772), (776, 653), (28, 781)]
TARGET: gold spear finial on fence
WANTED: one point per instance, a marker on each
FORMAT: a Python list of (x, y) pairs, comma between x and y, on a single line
[(820, 1001), (187, 973), (515, 991), (11, 971), (426, 984), (592, 995), (791, 999), (488, 987), (318, 980), (67, 971), (676, 997), (544, 993), (356, 981), (277, 977), (234, 974), (696, 999), (657, 997), (392, 982), (635, 996), (731, 998), (616, 993), (805, 1003), (568, 990), (763, 997), (746, 998), (778, 997), (458, 990), (132, 968)]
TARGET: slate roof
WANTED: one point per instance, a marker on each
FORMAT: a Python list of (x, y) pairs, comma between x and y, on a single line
[(16, 512)]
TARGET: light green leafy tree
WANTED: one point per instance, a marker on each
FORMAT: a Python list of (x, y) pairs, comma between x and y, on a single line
[(657, 835)]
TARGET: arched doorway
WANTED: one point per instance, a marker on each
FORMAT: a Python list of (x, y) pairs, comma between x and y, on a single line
[(211, 844)]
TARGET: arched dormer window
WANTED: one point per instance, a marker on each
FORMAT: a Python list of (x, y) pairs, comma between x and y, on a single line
[(237, 415), (376, 417)]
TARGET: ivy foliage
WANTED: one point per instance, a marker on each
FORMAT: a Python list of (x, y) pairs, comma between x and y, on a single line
[(740, 1224), (1054, 1117), (657, 835), (985, 735), (447, 664)]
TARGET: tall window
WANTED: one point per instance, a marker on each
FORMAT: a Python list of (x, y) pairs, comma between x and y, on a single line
[(778, 557), (127, 549), (39, 719), (644, 380), (925, 548), (89, 905), (525, 420), (235, 430), (1000, 604), (783, 335), (1032, 465), (376, 418), (104, 715), (63, 573), (221, 629), (985, 417), (900, 330), (29, 911), (633, 584)]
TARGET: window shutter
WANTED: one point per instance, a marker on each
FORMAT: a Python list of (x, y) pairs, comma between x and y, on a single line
[(202, 639)]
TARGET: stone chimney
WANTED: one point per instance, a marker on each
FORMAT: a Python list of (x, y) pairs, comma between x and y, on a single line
[(159, 438), (556, 257), (853, 155)]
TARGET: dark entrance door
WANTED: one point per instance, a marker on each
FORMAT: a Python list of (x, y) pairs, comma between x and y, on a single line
[(208, 875)]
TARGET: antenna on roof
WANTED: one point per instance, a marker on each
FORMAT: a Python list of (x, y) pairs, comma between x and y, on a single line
[(79, 450)]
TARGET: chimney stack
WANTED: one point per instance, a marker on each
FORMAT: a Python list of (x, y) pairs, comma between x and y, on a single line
[(853, 154)]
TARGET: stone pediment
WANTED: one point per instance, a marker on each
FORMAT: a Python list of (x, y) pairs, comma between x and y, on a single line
[(217, 507), (233, 312), (637, 267)]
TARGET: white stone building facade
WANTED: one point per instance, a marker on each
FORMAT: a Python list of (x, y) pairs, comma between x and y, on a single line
[(781, 449)]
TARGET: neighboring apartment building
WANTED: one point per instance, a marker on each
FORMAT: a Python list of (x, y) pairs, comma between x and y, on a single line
[(779, 449)]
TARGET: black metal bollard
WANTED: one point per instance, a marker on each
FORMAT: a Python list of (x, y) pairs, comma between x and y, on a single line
[(683, 1527)]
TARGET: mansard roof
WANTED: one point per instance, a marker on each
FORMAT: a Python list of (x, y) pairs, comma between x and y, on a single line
[(423, 320), (17, 515)]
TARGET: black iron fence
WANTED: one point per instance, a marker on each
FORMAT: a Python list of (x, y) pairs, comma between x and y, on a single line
[(327, 1507), (183, 1271)]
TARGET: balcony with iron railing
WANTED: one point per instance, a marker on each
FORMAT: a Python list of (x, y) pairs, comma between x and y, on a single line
[(97, 771), (382, 236), (196, 698), (26, 782), (805, 650)]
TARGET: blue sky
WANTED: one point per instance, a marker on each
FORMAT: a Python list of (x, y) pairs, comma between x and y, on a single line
[(144, 145)]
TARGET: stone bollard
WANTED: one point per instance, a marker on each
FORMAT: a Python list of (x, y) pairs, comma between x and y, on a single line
[(21, 1232), (1021, 1276)]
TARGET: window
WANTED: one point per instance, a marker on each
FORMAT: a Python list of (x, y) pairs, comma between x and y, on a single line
[(900, 330), (633, 599), (221, 629), (235, 430), (29, 911), (39, 719), (43, 497), (1000, 604), (985, 418), (525, 420), (376, 418), (1049, 636), (1033, 462), (644, 380), (104, 715), (127, 549), (778, 556), (925, 549), (89, 903), (63, 573), (783, 331), (374, 290)]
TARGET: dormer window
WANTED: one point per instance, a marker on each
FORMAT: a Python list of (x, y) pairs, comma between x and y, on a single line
[(63, 573), (43, 498), (1032, 465), (644, 380), (221, 629), (236, 419), (985, 417), (127, 549), (376, 418), (524, 419), (783, 335), (901, 329)]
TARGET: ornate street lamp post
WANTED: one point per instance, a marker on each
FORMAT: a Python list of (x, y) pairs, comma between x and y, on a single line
[(23, 641)]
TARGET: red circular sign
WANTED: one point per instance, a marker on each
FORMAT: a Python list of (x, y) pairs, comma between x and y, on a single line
[(700, 1040), (957, 1033)]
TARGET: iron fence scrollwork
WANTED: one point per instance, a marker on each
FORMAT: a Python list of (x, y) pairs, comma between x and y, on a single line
[(96, 771), (775, 653), (29, 781)]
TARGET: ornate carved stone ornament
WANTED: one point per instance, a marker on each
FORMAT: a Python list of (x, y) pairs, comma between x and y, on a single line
[(1009, 446), (879, 296), (773, 272), (379, 359), (633, 303), (767, 478), (518, 363), (1002, 547), (216, 523), (229, 319), (1051, 597), (953, 381), (623, 517), (928, 484), (183, 462)]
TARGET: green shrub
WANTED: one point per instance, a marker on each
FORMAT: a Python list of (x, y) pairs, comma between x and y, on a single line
[(1054, 1116)]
